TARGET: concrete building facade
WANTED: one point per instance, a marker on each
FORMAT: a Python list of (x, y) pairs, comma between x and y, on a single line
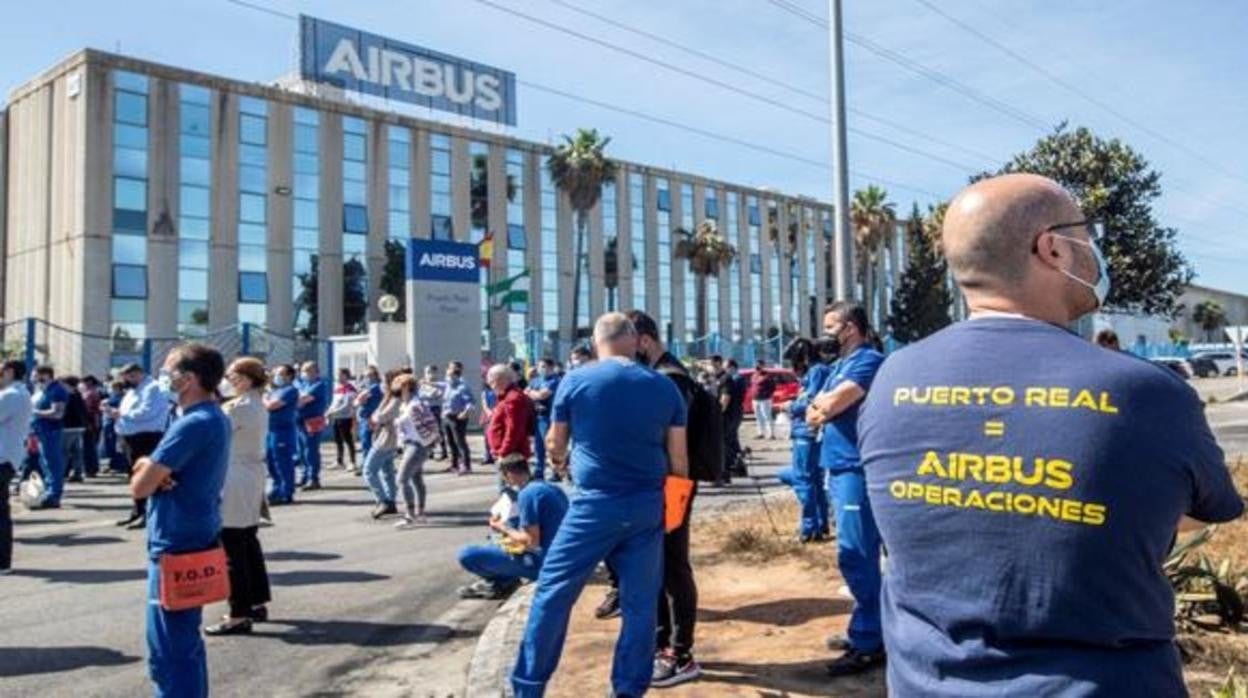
[(147, 202)]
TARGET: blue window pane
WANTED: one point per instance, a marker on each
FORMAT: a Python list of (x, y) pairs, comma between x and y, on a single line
[(307, 238), (194, 228), (754, 218), (665, 200), (129, 281), (400, 178), (129, 194), (354, 246), (306, 163), (196, 171), (253, 179), (400, 152), (192, 285), (442, 228), (307, 186), (440, 163), (306, 214), (192, 254), (196, 120), (252, 258), (130, 249), (303, 115), (127, 136), (195, 201), (399, 198), (515, 236), (253, 155), (129, 311), (756, 264), (253, 105), (134, 82), (195, 94), (129, 222), (353, 146), (354, 193), (712, 208), (251, 234), (130, 108), (306, 139), (354, 219), (400, 225), (353, 125), (253, 287), (196, 147), (252, 129), (251, 208), (130, 162), (354, 171)]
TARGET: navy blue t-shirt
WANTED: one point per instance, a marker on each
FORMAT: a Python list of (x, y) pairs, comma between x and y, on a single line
[(284, 416), (53, 393), (1028, 485), (551, 383), (319, 390), (619, 413), (196, 448), (371, 403), (542, 504), (839, 449)]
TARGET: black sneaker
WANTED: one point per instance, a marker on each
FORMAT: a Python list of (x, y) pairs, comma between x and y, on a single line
[(670, 670), (385, 509), (855, 662), (610, 606), (838, 642)]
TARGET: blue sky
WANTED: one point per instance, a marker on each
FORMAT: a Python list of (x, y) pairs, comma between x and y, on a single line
[(1177, 69)]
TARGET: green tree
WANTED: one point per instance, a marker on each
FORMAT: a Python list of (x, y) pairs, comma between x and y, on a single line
[(354, 296), (1115, 185), (394, 276), (706, 251), (579, 167), (1211, 317), (306, 305), (921, 304), (874, 218)]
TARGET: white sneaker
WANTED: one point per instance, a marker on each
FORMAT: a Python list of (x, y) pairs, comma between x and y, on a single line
[(407, 523)]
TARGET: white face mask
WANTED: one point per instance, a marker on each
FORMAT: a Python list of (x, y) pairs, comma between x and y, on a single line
[(225, 388), (165, 382), (1099, 289)]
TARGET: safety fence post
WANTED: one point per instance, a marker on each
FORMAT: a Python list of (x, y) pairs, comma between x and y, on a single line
[(246, 339), (30, 347), (147, 356)]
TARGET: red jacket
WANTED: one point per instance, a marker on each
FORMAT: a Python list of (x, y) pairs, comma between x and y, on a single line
[(511, 425)]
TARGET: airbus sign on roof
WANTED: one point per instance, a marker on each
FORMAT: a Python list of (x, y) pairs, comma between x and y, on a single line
[(362, 62)]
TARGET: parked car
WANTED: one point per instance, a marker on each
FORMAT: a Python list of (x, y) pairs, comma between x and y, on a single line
[(1175, 363), (1223, 362), (787, 387)]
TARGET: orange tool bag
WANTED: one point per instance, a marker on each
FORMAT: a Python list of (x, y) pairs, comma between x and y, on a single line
[(191, 580), (677, 491)]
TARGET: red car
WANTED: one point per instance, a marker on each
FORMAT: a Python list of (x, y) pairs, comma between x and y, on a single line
[(787, 387)]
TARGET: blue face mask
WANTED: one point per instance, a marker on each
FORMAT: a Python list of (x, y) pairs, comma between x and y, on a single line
[(1099, 289), (279, 381)]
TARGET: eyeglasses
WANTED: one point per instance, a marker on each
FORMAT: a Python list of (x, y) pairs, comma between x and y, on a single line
[(1095, 229)]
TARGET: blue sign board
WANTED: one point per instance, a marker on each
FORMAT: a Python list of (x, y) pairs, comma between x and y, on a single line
[(442, 260), (367, 63)]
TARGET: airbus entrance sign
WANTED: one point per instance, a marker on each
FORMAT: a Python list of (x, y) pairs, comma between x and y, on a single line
[(444, 305), (367, 63)]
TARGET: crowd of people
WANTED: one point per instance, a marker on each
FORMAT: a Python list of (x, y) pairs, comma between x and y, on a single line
[(1032, 574)]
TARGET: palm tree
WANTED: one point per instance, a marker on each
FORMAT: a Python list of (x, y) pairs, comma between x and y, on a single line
[(579, 168), (874, 219), (706, 251), (1210, 315)]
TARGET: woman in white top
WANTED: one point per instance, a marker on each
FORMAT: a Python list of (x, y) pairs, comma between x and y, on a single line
[(418, 429), (242, 498)]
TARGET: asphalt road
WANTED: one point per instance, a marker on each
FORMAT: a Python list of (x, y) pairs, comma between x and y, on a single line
[(358, 607)]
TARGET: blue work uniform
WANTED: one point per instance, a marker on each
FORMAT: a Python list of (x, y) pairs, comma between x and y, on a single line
[(1028, 485), (857, 538), (365, 411), (280, 444), (538, 504), (186, 518), (804, 475), (619, 413), (309, 444), (117, 462), (48, 431), (543, 408)]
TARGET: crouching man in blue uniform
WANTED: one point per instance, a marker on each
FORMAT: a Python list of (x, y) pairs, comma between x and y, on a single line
[(628, 426), (540, 507), (183, 477), (804, 475)]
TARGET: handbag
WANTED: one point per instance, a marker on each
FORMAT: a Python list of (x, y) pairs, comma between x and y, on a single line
[(191, 580), (315, 425)]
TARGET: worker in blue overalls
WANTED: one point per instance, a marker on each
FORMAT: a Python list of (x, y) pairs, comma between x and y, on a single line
[(366, 404), (542, 392), (835, 410), (804, 474), (281, 403), (314, 396)]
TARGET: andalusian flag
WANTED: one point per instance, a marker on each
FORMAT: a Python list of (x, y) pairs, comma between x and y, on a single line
[(502, 294)]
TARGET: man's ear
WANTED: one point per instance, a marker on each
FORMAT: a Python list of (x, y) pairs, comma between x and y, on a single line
[(1048, 251)]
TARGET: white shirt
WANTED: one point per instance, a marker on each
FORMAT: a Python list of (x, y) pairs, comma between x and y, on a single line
[(243, 490), (15, 411)]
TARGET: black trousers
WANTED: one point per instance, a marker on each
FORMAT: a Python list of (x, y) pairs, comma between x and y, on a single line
[(457, 435), (344, 435), (249, 579), (442, 432), (138, 446), (6, 517), (732, 447), (678, 600)]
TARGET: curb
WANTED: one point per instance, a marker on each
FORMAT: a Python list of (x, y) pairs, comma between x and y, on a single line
[(498, 646)]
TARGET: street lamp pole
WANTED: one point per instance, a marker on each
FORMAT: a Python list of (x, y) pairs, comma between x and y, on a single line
[(843, 252)]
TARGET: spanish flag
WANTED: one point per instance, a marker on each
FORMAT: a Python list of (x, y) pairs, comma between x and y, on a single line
[(485, 249)]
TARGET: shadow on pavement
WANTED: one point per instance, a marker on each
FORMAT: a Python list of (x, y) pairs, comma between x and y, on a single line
[(783, 613), (84, 576), (19, 520), (300, 556), (358, 633), (23, 661), (304, 578), (807, 678), (69, 540), (119, 506)]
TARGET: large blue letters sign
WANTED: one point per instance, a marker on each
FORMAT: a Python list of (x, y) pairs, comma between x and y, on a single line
[(442, 260), (363, 62)]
